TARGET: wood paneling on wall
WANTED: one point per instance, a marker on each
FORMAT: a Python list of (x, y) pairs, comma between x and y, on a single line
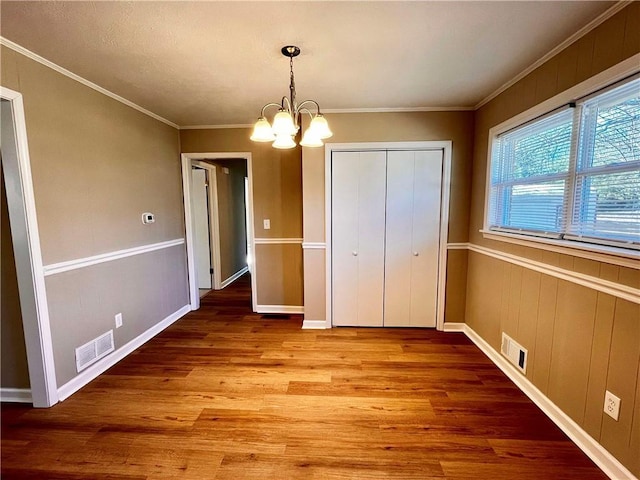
[(580, 341)]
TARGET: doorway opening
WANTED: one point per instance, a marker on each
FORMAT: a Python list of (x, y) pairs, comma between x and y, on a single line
[(25, 238), (218, 212)]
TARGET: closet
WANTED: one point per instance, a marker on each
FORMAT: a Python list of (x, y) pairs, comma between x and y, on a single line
[(385, 233)]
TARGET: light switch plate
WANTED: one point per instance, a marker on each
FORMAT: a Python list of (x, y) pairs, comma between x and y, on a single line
[(267, 224)]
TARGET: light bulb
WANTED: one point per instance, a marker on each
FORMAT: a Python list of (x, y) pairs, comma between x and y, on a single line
[(283, 124), (311, 139), (262, 131), (320, 127), (284, 141)]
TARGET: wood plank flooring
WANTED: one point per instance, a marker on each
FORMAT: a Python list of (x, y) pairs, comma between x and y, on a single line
[(227, 394)]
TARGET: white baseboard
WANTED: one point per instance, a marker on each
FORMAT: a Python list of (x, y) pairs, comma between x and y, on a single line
[(15, 395), (279, 309), (234, 277), (110, 360), (453, 327), (314, 324), (596, 452)]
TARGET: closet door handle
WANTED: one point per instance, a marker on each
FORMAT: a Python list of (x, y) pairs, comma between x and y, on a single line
[(354, 253), (415, 254)]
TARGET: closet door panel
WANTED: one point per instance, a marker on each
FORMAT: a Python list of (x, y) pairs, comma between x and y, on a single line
[(397, 296), (412, 238), (358, 192), (345, 171), (370, 251), (426, 238)]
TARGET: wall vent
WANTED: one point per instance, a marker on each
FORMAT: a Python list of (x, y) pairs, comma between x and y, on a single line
[(94, 350), (515, 352)]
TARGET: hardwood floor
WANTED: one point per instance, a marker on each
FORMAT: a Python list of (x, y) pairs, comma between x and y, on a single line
[(227, 394)]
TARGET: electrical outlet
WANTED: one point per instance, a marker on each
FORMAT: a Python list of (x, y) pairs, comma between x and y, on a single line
[(611, 405), (118, 320)]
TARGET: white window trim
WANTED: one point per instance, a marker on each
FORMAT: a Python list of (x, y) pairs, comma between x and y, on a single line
[(602, 253), (622, 257)]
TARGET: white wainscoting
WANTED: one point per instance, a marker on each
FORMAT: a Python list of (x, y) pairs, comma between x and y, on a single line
[(277, 241), (55, 268), (314, 245), (605, 286)]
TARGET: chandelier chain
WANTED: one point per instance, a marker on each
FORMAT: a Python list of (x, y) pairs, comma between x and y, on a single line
[(292, 86)]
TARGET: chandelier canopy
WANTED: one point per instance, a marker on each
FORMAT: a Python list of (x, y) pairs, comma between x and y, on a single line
[(286, 122)]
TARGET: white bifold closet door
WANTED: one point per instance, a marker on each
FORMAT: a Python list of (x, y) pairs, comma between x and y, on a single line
[(412, 238), (385, 237), (358, 226)]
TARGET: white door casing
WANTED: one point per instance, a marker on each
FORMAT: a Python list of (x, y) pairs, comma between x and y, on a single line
[(187, 160), (28, 255), (438, 205)]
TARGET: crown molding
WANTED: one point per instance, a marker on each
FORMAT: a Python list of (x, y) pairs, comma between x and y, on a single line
[(341, 110), (396, 109), (603, 17), (577, 35), (47, 63), (214, 127)]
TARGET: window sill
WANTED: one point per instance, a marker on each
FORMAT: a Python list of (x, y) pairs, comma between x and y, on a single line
[(613, 255)]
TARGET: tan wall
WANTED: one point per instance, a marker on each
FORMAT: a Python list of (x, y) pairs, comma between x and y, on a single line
[(144, 288), (278, 274), (97, 165), (580, 341), (391, 127), (277, 195), (13, 356), (231, 216)]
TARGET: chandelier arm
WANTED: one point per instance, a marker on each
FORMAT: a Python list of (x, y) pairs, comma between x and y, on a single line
[(292, 109), (305, 110), (268, 105), (309, 101), (287, 105)]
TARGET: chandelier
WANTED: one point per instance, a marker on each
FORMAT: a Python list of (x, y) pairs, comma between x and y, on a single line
[(285, 124)]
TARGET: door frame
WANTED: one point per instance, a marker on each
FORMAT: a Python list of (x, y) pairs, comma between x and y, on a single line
[(28, 258), (186, 160), (214, 221), (446, 147)]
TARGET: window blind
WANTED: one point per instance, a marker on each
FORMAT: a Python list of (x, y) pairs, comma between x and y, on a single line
[(572, 174), (607, 187), (530, 172)]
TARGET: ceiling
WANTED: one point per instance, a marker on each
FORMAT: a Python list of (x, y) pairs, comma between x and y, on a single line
[(218, 63)]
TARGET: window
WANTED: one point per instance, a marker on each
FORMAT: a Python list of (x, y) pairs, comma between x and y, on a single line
[(573, 174)]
